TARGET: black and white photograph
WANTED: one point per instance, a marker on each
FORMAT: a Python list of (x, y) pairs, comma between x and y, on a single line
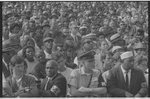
[(74, 49)]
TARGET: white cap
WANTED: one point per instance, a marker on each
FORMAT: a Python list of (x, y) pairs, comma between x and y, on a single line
[(83, 27), (127, 54), (115, 48), (113, 37)]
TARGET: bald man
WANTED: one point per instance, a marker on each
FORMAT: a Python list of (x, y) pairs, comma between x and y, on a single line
[(54, 85)]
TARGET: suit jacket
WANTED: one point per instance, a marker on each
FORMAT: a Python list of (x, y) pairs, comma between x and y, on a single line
[(116, 83), (60, 81), (5, 70), (26, 81)]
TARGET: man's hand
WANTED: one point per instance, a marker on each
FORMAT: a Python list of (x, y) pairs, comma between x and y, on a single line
[(83, 89), (137, 95), (127, 94)]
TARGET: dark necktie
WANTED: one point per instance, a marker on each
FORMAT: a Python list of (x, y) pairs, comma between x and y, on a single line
[(127, 80)]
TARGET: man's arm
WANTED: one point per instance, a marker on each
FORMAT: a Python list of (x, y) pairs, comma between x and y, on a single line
[(112, 86), (144, 88)]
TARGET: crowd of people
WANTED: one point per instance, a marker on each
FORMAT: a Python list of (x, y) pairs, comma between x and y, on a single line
[(75, 49)]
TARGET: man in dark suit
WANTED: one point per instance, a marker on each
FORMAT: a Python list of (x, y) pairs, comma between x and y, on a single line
[(54, 85), (126, 81)]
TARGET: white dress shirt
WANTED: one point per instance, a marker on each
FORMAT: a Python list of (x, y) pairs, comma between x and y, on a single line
[(124, 74)]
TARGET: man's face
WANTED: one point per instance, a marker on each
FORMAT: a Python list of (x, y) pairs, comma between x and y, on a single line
[(89, 64), (128, 63), (51, 69), (18, 69)]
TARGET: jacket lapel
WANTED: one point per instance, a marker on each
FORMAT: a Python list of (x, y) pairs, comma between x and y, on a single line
[(44, 83), (121, 77), (132, 79)]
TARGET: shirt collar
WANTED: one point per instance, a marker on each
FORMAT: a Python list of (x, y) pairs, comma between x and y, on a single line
[(83, 72), (124, 71), (51, 78)]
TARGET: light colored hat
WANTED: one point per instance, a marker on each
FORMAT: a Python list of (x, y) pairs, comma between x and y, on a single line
[(127, 54), (115, 48), (83, 27), (115, 36), (139, 46)]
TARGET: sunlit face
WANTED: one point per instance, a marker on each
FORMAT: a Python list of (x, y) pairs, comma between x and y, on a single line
[(51, 69), (104, 45)]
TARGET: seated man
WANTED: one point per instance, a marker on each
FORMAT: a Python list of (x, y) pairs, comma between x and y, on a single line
[(21, 84), (54, 85), (87, 81)]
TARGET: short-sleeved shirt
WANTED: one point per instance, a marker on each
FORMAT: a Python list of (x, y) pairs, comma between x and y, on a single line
[(80, 78)]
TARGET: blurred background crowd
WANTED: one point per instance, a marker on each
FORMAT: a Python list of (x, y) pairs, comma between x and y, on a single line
[(42, 31)]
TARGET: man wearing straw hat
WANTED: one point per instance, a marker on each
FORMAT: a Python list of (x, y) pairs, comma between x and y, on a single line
[(126, 81)]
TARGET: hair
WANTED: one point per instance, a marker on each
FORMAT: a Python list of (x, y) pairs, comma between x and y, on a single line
[(26, 38), (24, 50), (57, 55), (17, 60), (53, 62)]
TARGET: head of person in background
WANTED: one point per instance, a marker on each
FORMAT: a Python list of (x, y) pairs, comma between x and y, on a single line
[(74, 29), (106, 22), (87, 60), (116, 40), (29, 53), (127, 60), (83, 30), (139, 49), (40, 56), (27, 41), (87, 44), (104, 46), (45, 26), (140, 34), (94, 29), (65, 31), (15, 28), (8, 50), (108, 62), (61, 60), (48, 44), (18, 66), (141, 63)]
